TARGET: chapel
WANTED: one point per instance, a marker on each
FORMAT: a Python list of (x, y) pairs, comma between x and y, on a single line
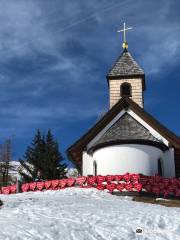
[(127, 138)]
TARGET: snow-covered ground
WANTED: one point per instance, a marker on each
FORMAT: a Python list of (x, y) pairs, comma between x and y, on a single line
[(84, 214)]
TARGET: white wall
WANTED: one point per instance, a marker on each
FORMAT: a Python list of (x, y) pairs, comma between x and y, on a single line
[(119, 159), (87, 167), (168, 164), (132, 158)]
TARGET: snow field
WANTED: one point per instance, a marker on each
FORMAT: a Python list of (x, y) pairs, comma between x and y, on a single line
[(84, 214)]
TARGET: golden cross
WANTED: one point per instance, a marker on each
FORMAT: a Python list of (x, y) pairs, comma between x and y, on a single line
[(125, 45)]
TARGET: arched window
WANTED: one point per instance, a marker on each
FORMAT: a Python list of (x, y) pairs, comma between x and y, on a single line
[(125, 90), (95, 168), (159, 167)]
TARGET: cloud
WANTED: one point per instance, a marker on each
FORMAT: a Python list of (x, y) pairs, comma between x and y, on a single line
[(19, 27), (54, 56), (32, 28)]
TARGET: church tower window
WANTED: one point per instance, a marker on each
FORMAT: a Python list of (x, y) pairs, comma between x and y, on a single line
[(125, 90)]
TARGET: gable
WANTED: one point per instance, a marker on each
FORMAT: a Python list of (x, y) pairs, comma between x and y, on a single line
[(160, 132), (126, 128)]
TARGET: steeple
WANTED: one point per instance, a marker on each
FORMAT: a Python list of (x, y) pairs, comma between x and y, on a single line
[(125, 66), (126, 77)]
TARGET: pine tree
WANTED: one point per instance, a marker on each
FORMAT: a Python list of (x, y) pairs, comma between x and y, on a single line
[(42, 159), (33, 156), (53, 166)]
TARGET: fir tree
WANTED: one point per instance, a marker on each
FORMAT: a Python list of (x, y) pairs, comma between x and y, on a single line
[(31, 163), (42, 160), (53, 166)]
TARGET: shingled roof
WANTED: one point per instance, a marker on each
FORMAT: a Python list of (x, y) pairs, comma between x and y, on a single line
[(125, 65), (126, 128)]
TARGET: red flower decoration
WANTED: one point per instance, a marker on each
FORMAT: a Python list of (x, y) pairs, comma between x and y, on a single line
[(120, 187), (40, 185), (32, 186), (63, 183), (70, 182), (25, 187), (47, 184), (81, 180)]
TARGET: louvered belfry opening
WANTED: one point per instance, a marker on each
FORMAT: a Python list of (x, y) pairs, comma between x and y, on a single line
[(126, 90)]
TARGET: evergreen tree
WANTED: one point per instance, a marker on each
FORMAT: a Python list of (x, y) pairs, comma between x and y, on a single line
[(42, 160), (31, 163), (53, 166)]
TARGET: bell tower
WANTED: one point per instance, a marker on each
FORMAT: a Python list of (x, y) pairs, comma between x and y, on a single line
[(126, 78)]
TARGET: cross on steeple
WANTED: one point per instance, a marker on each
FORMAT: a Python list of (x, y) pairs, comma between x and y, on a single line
[(125, 44)]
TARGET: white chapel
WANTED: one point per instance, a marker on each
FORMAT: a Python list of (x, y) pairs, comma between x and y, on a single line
[(127, 138)]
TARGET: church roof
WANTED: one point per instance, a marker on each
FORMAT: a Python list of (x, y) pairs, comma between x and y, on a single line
[(126, 128), (125, 67), (75, 151)]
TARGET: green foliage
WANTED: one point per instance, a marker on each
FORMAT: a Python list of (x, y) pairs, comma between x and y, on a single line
[(42, 160)]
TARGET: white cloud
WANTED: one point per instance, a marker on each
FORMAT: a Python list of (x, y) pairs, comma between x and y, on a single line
[(31, 28), (162, 48)]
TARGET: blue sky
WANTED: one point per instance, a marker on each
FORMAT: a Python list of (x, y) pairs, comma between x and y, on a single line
[(54, 57)]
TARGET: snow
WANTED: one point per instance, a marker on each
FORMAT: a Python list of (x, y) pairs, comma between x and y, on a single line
[(15, 168), (84, 214)]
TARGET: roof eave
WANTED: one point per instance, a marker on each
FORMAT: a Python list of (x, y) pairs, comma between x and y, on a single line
[(159, 145)]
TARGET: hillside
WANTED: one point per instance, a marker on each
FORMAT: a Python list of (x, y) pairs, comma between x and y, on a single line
[(84, 214)]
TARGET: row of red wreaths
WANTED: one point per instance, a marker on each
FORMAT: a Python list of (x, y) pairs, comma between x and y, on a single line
[(128, 182)]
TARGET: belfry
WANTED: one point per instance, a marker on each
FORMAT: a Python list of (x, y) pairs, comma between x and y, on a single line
[(126, 78)]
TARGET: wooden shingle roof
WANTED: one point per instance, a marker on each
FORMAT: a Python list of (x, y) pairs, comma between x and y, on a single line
[(126, 67), (126, 128)]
